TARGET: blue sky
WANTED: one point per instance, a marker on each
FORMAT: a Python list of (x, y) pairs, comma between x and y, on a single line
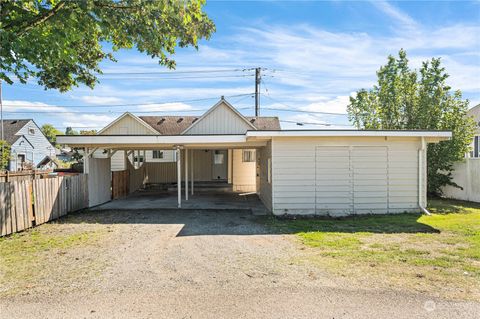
[(315, 54)]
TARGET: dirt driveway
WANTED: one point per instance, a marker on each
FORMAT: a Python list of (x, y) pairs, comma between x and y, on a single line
[(147, 264)]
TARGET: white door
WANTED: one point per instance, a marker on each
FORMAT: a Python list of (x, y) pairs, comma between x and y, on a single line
[(220, 165), (370, 179), (333, 180)]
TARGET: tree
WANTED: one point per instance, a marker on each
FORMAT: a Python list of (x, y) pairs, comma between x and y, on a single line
[(50, 133), (70, 131), (406, 99), (62, 42), (88, 132), (4, 154)]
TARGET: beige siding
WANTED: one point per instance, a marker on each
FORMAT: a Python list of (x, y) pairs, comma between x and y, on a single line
[(244, 173), (467, 175), (222, 120), (118, 161), (99, 181), (345, 175), (264, 187), (127, 125)]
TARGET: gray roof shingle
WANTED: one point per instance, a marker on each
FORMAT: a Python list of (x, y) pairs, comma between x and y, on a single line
[(11, 127)]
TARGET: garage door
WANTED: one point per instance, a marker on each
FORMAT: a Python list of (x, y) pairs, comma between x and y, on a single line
[(333, 180), (370, 179), (351, 179)]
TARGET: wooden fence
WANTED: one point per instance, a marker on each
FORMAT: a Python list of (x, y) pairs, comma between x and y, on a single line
[(120, 184), (24, 204), (22, 175)]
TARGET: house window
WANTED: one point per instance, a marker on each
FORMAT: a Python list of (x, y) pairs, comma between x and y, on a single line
[(31, 131), (476, 146), (138, 159), (248, 156), (157, 154)]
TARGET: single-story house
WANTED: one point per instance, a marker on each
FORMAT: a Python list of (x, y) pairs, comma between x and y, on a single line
[(315, 172), (29, 146)]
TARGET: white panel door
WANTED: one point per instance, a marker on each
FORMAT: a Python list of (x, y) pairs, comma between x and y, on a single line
[(333, 180), (370, 179)]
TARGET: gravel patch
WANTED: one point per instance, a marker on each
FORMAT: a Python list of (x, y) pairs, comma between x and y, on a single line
[(160, 264)]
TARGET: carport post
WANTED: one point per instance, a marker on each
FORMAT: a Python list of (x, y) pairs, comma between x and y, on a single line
[(191, 172), (186, 174), (179, 178)]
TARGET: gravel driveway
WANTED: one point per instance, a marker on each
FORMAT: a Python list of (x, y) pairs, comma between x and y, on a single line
[(208, 265)]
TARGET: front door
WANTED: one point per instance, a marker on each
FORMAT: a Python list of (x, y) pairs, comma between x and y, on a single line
[(219, 165)]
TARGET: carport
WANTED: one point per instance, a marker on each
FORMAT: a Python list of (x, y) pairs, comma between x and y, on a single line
[(186, 148)]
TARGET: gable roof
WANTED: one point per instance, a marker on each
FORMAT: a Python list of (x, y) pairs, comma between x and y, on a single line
[(213, 108), (139, 120), (175, 125), (11, 128)]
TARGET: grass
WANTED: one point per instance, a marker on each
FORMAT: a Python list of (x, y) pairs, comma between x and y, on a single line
[(49, 251), (438, 254)]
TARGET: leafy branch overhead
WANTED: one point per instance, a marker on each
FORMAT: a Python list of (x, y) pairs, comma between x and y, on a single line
[(404, 99), (62, 42)]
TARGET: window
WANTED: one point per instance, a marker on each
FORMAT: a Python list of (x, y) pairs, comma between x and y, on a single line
[(157, 154), (138, 159), (476, 146), (31, 131), (248, 156)]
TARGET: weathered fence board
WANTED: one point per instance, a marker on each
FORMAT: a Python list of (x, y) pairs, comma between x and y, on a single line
[(120, 184), (23, 203)]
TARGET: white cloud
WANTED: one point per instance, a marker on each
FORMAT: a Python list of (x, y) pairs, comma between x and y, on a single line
[(95, 99), (396, 14)]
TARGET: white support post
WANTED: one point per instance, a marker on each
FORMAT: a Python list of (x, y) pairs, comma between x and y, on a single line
[(179, 178), (86, 156), (191, 172), (186, 174)]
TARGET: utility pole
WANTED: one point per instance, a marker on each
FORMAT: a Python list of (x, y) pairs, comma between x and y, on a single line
[(258, 79)]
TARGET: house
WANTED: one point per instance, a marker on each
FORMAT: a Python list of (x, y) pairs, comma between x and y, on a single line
[(298, 172), (475, 113), (29, 146), (466, 173)]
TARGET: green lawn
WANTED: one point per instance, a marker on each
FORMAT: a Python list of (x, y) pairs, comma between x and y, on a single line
[(438, 254)]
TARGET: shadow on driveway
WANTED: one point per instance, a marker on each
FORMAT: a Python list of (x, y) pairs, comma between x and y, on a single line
[(242, 222)]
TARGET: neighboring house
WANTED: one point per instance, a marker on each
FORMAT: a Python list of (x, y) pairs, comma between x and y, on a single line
[(29, 147), (64, 154), (466, 174), (314, 172), (475, 113)]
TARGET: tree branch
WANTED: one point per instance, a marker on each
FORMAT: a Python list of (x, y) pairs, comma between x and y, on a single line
[(38, 19)]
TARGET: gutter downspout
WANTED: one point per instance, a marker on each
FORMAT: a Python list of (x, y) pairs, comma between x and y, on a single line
[(421, 151)]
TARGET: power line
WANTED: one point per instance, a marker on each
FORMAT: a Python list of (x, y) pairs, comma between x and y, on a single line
[(128, 104), (112, 112), (292, 109), (181, 72), (179, 77), (313, 123)]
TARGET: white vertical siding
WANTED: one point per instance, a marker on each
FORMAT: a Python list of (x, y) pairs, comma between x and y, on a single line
[(127, 125), (264, 187), (222, 120), (345, 175), (99, 181)]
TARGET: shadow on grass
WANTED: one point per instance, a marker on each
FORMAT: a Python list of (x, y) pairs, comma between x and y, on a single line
[(388, 224), (451, 206)]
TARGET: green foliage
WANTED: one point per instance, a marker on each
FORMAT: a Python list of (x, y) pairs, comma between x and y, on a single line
[(4, 154), (70, 131), (88, 132), (50, 133), (62, 42), (405, 100)]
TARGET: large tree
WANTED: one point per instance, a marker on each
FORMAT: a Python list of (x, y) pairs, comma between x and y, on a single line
[(406, 99), (62, 42), (50, 133)]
